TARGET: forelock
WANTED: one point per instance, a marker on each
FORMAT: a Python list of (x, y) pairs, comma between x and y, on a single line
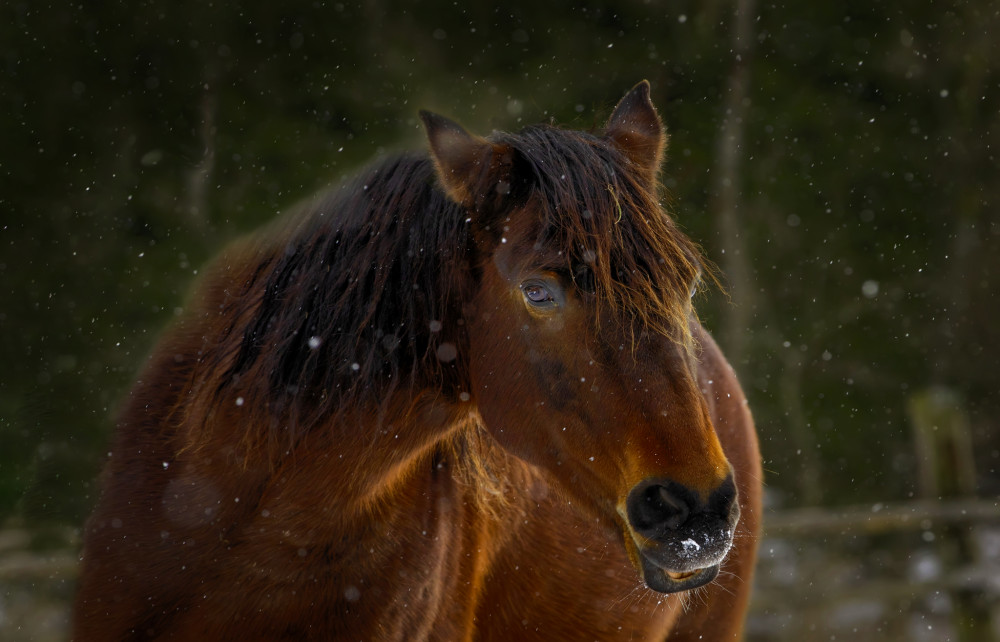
[(606, 217)]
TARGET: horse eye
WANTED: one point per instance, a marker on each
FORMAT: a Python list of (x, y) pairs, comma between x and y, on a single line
[(536, 293)]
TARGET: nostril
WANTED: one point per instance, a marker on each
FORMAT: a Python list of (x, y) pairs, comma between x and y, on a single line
[(656, 508), (673, 510), (724, 500)]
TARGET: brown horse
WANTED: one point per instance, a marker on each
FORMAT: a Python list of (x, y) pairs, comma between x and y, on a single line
[(462, 397)]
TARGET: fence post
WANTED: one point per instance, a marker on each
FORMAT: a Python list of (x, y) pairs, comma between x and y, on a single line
[(946, 471)]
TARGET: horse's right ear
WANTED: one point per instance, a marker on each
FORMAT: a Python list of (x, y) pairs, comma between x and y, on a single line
[(468, 166)]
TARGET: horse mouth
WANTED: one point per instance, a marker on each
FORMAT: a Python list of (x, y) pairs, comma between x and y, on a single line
[(665, 580), (679, 577), (666, 569)]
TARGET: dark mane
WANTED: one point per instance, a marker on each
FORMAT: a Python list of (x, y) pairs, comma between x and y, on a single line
[(617, 240), (362, 294), (358, 296)]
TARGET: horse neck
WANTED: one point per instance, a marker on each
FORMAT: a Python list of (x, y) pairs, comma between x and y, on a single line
[(369, 452), (424, 438), (418, 449)]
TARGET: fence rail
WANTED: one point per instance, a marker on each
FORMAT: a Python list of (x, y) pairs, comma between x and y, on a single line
[(920, 514)]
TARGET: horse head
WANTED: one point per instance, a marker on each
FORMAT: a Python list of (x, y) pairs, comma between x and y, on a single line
[(579, 348)]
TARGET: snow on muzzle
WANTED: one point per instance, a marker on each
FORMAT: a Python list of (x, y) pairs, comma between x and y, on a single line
[(681, 539)]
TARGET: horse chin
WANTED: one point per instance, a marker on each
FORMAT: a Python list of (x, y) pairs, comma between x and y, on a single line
[(664, 580)]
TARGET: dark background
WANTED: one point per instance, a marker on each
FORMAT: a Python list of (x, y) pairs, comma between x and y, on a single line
[(836, 159)]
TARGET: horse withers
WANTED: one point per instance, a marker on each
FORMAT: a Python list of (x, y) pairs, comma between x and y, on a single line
[(463, 396)]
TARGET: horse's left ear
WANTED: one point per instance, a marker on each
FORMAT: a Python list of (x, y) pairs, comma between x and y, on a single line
[(636, 129), (468, 166)]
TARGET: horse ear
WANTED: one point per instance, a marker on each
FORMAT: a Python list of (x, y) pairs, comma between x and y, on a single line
[(636, 129), (464, 162)]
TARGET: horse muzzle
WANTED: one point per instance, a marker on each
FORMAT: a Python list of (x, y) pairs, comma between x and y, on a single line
[(680, 539)]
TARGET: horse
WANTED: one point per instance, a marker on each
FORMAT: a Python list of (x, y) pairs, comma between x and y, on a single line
[(463, 396)]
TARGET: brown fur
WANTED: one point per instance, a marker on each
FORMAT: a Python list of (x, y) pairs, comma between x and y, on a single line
[(362, 429)]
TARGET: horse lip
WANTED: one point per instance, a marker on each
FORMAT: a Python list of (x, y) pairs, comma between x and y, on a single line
[(687, 555), (677, 577), (665, 580)]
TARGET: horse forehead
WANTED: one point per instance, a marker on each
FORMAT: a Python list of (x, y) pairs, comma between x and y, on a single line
[(515, 259), (526, 245)]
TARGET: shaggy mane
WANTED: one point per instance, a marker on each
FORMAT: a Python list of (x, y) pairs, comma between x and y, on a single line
[(360, 294)]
